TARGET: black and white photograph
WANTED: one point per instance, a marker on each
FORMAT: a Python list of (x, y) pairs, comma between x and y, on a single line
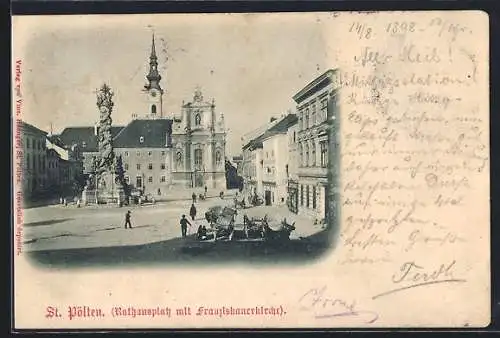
[(147, 146)]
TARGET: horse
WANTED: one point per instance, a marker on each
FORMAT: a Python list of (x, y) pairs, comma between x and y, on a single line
[(282, 234)]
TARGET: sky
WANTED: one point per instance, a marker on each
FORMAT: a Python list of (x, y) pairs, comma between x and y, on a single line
[(251, 65)]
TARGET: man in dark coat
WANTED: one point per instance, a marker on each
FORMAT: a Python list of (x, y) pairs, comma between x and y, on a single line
[(184, 223), (192, 212), (127, 220), (193, 196)]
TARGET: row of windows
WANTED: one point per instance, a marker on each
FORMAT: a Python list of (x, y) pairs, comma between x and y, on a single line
[(138, 182), (272, 154), (150, 166), (35, 162), (310, 201), (35, 144), (138, 153), (309, 116), (310, 161)]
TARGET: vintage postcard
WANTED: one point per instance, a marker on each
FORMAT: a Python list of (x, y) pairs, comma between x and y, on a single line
[(273, 170)]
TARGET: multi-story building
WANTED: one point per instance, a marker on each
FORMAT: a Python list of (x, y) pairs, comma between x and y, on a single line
[(86, 140), (238, 160), (265, 161), (276, 161), (35, 160), (145, 148), (199, 145), (159, 152), (64, 166), (293, 168), (313, 102)]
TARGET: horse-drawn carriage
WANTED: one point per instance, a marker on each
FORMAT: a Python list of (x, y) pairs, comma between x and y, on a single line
[(223, 226)]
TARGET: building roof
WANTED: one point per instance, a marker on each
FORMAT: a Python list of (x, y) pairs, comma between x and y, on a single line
[(52, 153), (280, 127), (26, 127), (320, 82), (145, 134), (84, 136)]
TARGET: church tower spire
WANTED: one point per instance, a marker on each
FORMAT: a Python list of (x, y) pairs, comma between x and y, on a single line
[(153, 91), (153, 76)]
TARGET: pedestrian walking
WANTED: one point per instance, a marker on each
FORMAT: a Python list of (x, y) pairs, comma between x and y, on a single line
[(127, 220), (192, 212), (193, 196), (205, 191), (184, 223)]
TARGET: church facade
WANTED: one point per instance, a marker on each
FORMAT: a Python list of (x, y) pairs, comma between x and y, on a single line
[(159, 152)]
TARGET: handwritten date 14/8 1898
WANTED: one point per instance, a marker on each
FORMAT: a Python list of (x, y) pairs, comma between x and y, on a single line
[(322, 306)]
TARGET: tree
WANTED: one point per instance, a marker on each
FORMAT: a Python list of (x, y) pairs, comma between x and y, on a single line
[(78, 183), (120, 175)]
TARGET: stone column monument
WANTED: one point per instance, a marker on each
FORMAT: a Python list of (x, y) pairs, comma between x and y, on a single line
[(109, 189)]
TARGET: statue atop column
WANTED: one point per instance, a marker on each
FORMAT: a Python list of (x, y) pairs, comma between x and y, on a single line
[(108, 188), (104, 136)]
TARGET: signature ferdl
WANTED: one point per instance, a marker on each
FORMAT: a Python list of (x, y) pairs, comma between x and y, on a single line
[(317, 301), (412, 275)]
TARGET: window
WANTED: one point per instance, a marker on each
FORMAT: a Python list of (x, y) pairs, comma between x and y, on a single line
[(141, 139), (153, 109), (313, 114), (272, 153), (162, 166), (306, 121), (150, 179), (28, 142), (307, 156), (301, 121), (179, 158), (126, 153), (138, 182), (150, 166), (198, 158), (218, 157), (301, 195), (314, 198), (127, 179), (138, 166), (301, 153), (197, 119), (150, 153), (125, 166), (163, 153), (324, 153), (162, 179), (294, 137), (313, 153), (307, 196), (28, 163), (324, 109)]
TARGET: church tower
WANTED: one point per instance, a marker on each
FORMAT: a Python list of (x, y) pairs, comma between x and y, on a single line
[(152, 90)]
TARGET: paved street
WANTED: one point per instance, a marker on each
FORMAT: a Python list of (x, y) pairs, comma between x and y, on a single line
[(58, 235)]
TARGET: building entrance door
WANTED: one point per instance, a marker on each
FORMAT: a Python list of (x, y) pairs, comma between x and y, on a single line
[(198, 179), (267, 197)]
